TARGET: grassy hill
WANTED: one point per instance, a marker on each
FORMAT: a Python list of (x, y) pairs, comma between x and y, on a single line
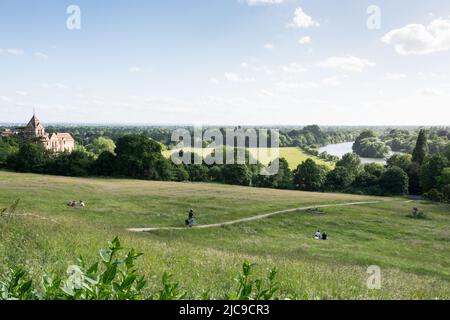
[(414, 255)]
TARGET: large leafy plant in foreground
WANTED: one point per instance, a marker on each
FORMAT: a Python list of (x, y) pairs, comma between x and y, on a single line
[(115, 277)]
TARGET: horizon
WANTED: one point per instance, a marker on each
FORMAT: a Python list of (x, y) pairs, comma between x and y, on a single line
[(125, 124)]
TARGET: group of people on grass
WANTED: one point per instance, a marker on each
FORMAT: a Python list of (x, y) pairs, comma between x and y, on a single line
[(190, 222), (320, 236), (74, 204)]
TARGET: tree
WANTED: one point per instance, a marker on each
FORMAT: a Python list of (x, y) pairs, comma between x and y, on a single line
[(366, 183), (215, 172), (74, 164), (100, 145), (403, 161), (371, 148), (444, 179), (414, 179), (30, 158), (179, 173), (431, 170), (8, 147), (351, 162), (309, 176), (394, 181), (281, 180), (421, 150), (339, 179), (446, 193), (105, 163), (363, 135), (198, 172), (447, 152), (236, 174), (375, 169), (140, 157)]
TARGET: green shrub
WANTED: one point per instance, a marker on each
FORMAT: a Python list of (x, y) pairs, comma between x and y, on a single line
[(417, 214), (254, 289), (434, 195)]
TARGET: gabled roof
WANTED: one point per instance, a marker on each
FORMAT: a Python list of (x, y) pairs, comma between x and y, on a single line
[(34, 122), (66, 136), (61, 136)]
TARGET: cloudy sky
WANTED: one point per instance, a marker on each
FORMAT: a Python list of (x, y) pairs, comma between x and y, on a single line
[(328, 62)]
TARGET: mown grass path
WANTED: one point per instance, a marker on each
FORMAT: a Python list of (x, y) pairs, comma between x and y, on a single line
[(258, 217)]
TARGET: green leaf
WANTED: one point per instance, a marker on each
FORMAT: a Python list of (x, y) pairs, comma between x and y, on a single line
[(93, 269), (105, 255), (109, 274)]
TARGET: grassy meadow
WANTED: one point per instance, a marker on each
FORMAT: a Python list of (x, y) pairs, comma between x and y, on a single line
[(414, 254), (294, 156)]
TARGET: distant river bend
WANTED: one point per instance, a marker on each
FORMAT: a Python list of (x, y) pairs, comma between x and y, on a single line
[(340, 149)]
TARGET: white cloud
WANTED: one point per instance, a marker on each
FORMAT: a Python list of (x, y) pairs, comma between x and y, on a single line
[(54, 86), (60, 86), (244, 65), (41, 55), (420, 39), (5, 99), (331, 82), (305, 40), (13, 52), (232, 77), (286, 85), (263, 2), (21, 93), (214, 81), (395, 76), (268, 46), (431, 92), (346, 63), (309, 85), (293, 68), (134, 69), (302, 20)]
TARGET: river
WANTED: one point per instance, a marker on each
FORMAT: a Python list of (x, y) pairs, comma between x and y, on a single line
[(340, 149)]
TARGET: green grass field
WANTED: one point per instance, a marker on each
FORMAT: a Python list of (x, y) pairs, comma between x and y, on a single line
[(414, 255), (294, 156)]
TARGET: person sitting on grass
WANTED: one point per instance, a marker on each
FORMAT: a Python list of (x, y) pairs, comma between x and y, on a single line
[(82, 204), (324, 236), (72, 203), (317, 235)]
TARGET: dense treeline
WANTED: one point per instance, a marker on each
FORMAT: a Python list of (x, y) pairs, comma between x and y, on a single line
[(367, 145), (289, 137), (137, 156), (403, 140), (313, 136), (421, 173)]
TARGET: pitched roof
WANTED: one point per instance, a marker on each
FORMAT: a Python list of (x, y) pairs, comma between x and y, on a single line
[(61, 136), (66, 136), (34, 122)]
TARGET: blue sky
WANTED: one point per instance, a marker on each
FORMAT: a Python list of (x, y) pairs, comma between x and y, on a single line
[(226, 62)]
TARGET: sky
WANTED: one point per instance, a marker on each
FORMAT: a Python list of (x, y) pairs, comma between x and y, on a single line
[(226, 62)]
